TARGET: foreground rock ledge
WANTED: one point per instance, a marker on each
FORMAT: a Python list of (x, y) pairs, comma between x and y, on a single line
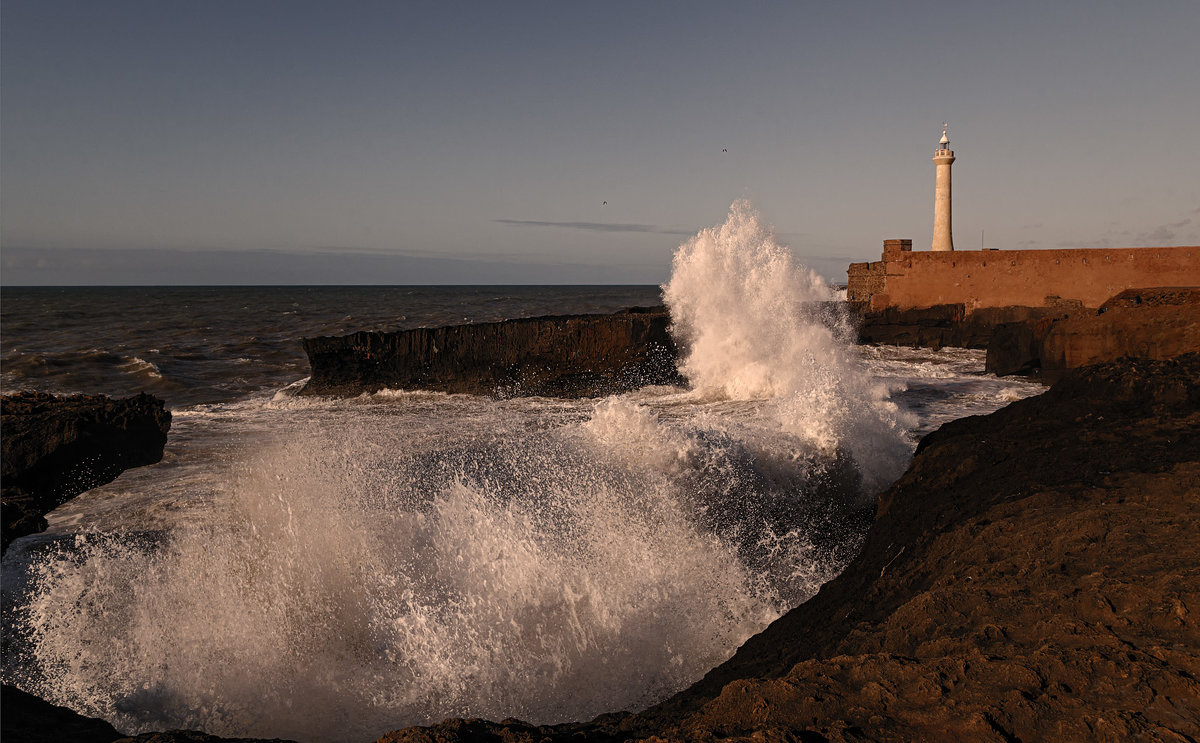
[(1034, 575), (559, 356), (56, 447)]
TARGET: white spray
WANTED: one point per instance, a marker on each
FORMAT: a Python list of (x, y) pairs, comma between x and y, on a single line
[(753, 325)]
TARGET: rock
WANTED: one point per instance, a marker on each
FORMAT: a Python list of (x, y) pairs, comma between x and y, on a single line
[(193, 736), (941, 325), (1015, 348), (1157, 323), (28, 719), (561, 356), (1032, 576), (54, 448), (482, 731)]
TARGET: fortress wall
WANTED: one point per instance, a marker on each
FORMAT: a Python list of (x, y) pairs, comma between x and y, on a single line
[(864, 280), (998, 278)]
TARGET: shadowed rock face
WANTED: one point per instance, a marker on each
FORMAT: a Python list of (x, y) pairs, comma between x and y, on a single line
[(29, 719), (1032, 576), (55, 448), (560, 356), (1159, 323), (941, 325)]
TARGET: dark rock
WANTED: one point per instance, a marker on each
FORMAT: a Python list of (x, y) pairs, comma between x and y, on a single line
[(1163, 296), (483, 731), (941, 325), (1032, 576), (193, 736), (28, 719), (561, 356), (1015, 348), (55, 448), (1157, 323), (1032, 573)]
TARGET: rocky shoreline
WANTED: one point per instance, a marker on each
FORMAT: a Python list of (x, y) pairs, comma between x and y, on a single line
[(54, 448), (1035, 574), (1158, 323), (597, 355)]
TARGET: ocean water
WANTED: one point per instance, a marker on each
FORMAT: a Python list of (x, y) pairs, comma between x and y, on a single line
[(329, 569)]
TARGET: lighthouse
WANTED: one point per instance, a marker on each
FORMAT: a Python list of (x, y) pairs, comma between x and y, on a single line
[(942, 158)]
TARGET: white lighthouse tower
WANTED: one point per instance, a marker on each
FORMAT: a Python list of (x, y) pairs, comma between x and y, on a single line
[(942, 159)]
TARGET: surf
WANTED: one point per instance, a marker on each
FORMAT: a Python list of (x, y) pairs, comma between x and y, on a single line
[(393, 560)]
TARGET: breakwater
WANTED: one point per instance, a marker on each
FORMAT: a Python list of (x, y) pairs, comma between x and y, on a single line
[(561, 356)]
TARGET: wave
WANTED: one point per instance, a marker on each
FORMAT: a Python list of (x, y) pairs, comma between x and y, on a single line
[(399, 558), (95, 364), (363, 577)]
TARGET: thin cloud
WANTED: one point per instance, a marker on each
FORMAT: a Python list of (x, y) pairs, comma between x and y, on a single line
[(596, 226), (1103, 242), (1163, 233)]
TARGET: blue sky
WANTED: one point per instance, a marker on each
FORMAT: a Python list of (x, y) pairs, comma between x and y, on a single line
[(411, 142)]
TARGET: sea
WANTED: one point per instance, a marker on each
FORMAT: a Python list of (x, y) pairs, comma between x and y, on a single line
[(328, 569)]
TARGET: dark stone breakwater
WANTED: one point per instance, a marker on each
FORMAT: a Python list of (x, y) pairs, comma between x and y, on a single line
[(596, 355), (556, 356)]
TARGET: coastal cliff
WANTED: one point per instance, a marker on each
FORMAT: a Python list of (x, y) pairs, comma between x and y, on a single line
[(562, 356), (54, 448)]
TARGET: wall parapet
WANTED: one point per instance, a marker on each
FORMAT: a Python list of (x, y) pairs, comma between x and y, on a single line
[(1031, 278)]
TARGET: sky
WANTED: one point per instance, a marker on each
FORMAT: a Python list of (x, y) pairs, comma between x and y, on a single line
[(294, 142)]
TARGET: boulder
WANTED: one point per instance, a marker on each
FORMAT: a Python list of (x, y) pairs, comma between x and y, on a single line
[(56, 447), (558, 356)]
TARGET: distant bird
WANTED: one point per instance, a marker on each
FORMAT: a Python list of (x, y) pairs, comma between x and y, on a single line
[(724, 150), (605, 204)]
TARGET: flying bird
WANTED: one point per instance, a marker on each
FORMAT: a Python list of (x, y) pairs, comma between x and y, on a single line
[(605, 204), (724, 149)]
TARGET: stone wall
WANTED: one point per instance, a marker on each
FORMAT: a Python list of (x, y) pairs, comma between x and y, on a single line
[(1032, 278)]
